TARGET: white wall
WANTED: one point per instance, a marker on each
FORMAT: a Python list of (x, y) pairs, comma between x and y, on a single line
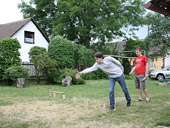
[(167, 60), (25, 47)]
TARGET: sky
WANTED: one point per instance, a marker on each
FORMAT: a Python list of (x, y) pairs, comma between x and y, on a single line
[(9, 12)]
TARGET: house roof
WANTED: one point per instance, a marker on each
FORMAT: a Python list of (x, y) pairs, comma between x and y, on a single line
[(122, 44), (160, 6), (9, 29)]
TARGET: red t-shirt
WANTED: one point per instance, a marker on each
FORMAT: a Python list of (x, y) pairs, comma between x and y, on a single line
[(141, 65)]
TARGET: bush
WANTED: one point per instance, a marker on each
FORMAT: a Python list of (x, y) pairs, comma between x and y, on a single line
[(15, 72), (34, 54), (129, 77), (126, 65), (69, 72), (62, 51), (96, 75), (48, 67), (9, 54), (83, 57)]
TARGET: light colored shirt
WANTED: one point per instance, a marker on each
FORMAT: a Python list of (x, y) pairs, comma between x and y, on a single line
[(110, 66)]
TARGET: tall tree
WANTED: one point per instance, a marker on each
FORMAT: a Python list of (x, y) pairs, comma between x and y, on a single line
[(43, 12), (131, 46), (84, 21), (102, 20), (159, 34)]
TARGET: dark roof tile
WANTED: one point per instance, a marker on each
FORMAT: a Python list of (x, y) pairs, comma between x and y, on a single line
[(9, 29)]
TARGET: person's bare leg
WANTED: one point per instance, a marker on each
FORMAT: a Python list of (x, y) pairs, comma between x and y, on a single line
[(146, 93), (140, 93)]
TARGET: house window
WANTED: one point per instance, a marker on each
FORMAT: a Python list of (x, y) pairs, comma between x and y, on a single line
[(29, 37)]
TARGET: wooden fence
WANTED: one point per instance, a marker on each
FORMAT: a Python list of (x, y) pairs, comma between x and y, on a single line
[(30, 66)]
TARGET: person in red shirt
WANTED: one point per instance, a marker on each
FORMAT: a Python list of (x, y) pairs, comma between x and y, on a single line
[(141, 73)]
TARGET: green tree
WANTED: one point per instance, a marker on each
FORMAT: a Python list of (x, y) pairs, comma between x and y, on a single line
[(48, 67), (131, 45), (34, 58), (43, 12), (105, 48), (44, 65), (130, 48), (62, 51), (9, 54), (83, 57), (84, 21), (159, 32)]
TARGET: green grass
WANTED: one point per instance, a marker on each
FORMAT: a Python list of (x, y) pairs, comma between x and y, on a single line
[(32, 107)]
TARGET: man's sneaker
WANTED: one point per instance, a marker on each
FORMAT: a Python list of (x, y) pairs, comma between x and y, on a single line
[(147, 101), (137, 100), (111, 108), (128, 103)]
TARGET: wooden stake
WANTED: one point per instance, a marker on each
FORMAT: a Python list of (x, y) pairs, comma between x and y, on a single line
[(50, 92), (74, 99), (88, 101), (104, 106), (64, 96), (54, 94)]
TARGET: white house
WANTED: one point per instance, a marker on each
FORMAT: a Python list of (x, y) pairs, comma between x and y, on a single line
[(27, 32), (167, 60)]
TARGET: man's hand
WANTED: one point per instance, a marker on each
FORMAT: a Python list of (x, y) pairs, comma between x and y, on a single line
[(133, 69), (130, 72), (146, 75), (78, 75)]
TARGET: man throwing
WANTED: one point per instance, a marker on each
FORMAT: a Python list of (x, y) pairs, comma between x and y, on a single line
[(141, 73), (114, 69)]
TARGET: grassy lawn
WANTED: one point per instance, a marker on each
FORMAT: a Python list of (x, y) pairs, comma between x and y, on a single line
[(83, 107)]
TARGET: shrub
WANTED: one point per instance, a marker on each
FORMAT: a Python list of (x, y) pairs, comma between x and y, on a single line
[(9, 54), (62, 50), (69, 72), (44, 65), (48, 67), (15, 72), (83, 57), (129, 77), (34, 54), (95, 75), (126, 65)]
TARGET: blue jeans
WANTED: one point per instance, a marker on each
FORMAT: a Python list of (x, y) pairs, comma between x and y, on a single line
[(122, 83)]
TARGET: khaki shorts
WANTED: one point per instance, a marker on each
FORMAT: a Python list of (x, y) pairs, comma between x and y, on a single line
[(139, 83)]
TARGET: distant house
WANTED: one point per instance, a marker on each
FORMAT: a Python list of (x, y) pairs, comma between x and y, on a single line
[(27, 32)]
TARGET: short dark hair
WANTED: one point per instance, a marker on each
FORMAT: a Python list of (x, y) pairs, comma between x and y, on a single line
[(98, 55), (140, 49)]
